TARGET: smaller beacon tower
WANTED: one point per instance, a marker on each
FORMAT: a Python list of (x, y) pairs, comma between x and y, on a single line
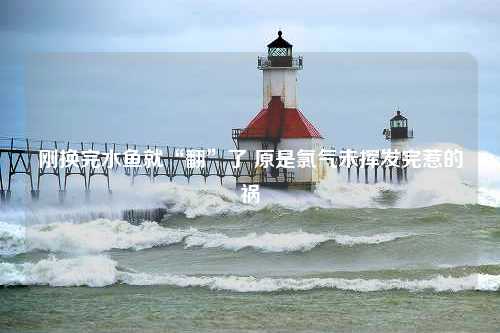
[(398, 132)]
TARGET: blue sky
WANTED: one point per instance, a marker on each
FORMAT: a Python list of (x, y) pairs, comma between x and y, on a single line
[(30, 27)]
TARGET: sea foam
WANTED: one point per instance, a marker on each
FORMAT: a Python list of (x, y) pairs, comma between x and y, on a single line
[(478, 182), (103, 235), (439, 283), (92, 271), (285, 242), (100, 271)]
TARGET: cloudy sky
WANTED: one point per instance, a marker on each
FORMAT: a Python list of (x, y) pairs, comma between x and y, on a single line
[(30, 27)]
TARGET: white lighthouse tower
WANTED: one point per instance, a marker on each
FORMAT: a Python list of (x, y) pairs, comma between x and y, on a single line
[(280, 125), (279, 73)]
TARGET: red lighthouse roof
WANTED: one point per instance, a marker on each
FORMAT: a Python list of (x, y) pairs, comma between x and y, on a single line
[(276, 121)]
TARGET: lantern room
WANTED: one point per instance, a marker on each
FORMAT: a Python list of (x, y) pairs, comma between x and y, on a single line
[(399, 126), (398, 129), (279, 54)]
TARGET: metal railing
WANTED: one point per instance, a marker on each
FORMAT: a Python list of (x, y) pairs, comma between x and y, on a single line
[(35, 145), (283, 176), (277, 62), (238, 133), (388, 136)]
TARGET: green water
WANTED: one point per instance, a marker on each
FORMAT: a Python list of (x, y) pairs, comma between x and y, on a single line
[(156, 309), (446, 240)]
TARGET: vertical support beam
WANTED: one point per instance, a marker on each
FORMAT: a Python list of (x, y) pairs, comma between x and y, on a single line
[(400, 168), (2, 191), (106, 169), (62, 196), (66, 170), (379, 164), (35, 195), (39, 172), (29, 171), (108, 182), (58, 169), (85, 173), (11, 169)]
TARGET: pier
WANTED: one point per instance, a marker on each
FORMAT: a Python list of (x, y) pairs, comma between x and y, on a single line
[(20, 157)]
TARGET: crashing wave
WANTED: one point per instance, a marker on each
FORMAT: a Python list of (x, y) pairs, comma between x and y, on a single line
[(439, 283), (104, 235), (285, 242), (477, 183), (92, 271), (90, 237), (100, 271), (12, 239)]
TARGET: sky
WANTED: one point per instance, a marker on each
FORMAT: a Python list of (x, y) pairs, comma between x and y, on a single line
[(466, 30)]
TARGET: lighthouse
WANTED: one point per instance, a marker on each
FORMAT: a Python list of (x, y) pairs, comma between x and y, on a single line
[(398, 132), (280, 125)]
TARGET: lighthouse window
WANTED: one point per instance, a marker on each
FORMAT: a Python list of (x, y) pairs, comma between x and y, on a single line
[(398, 123), (279, 51)]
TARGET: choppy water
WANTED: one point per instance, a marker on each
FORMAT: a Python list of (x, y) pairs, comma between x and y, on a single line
[(424, 256)]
